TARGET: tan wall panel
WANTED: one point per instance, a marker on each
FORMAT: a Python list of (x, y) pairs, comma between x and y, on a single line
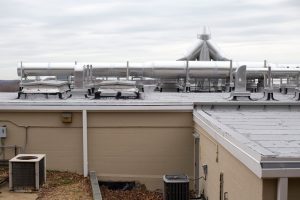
[(141, 152), (63, 147), (270, 189), (294, 188), (49, 119), (15, 136), (46, 134), (123, 119), (239, 181), (133, 146)]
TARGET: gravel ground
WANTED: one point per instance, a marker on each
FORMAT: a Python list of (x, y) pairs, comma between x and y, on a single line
[(134, 194), (72, 186), (65, 185), (3, 172)]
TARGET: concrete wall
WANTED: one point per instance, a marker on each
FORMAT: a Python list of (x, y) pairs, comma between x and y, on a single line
[(239, 181), (270, 189), (121, 145)]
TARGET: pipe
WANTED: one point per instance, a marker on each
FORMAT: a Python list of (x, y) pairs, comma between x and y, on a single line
[(197, 162), (161, 70), (282, 189), (84, 143), (45, 69), (269, 77), (127, 71)]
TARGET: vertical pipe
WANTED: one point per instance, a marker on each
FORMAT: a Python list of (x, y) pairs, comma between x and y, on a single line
[(187, 78), (269, 77), (87, 73), (187, 72), (282, 189), (21, 71), (231, 84), (221, 186), (84, 143), (265, 77), (91, 73), (230, 73), (127, 71), (197, 162)]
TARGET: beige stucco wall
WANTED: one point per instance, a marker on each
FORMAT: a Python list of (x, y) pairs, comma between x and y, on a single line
[(48, 135), (140, 146), (121, 145), (270, 189), (239, 181)]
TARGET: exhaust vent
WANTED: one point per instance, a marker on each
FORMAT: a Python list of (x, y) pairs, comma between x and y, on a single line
[(240, 84), (27, 172), (176, 187)]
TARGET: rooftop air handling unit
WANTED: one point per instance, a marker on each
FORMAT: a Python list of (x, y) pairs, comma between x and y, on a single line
[(27, 172), (176, 187), (47, 88)]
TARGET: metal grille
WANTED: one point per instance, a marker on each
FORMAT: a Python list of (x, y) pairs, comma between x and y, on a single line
[(176, 187), (23, 174)]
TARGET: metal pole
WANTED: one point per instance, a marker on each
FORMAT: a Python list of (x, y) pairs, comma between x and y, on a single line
[(187, 78), (187, 72), (127, 71), (265, 77), (91, 73), (21, 71), (269, 77), (230, 73), (231, 84)]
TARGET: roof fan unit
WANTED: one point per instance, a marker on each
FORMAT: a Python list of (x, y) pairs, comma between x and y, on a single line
[(27, 172), (176, 187)]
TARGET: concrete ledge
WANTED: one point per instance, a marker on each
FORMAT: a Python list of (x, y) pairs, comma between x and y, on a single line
[(95, 186)]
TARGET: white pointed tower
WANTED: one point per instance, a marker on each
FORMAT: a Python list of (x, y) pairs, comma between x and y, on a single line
[(203, 50)]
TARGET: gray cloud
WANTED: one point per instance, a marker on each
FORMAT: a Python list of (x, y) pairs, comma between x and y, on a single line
[(120, 30)]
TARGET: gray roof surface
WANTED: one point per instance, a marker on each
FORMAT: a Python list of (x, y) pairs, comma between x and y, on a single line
[(272, 132), (149, 98)]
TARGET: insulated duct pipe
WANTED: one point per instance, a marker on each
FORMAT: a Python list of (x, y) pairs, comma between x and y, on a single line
[(160, 69), (46, 69)]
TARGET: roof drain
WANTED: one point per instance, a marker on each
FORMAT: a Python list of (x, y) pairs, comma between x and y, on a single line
[(240, 84)]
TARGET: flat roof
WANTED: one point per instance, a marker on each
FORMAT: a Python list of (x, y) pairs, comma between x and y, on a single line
[(150, 98), (266, 136), (270, 132)]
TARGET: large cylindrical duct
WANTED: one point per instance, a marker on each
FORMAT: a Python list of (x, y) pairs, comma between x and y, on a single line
[(159, 69), (46, 69)]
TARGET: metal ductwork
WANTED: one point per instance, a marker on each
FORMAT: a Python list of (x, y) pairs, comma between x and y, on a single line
[(161, 69), (202, 64)]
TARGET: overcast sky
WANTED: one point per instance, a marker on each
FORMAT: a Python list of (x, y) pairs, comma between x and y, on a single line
[(144, 30)]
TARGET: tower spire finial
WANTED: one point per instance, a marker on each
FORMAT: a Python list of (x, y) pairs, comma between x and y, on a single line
[(205, 34)]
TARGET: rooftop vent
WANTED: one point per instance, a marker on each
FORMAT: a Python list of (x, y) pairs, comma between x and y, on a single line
[(46, 88), (240, 84), (116, 89)]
